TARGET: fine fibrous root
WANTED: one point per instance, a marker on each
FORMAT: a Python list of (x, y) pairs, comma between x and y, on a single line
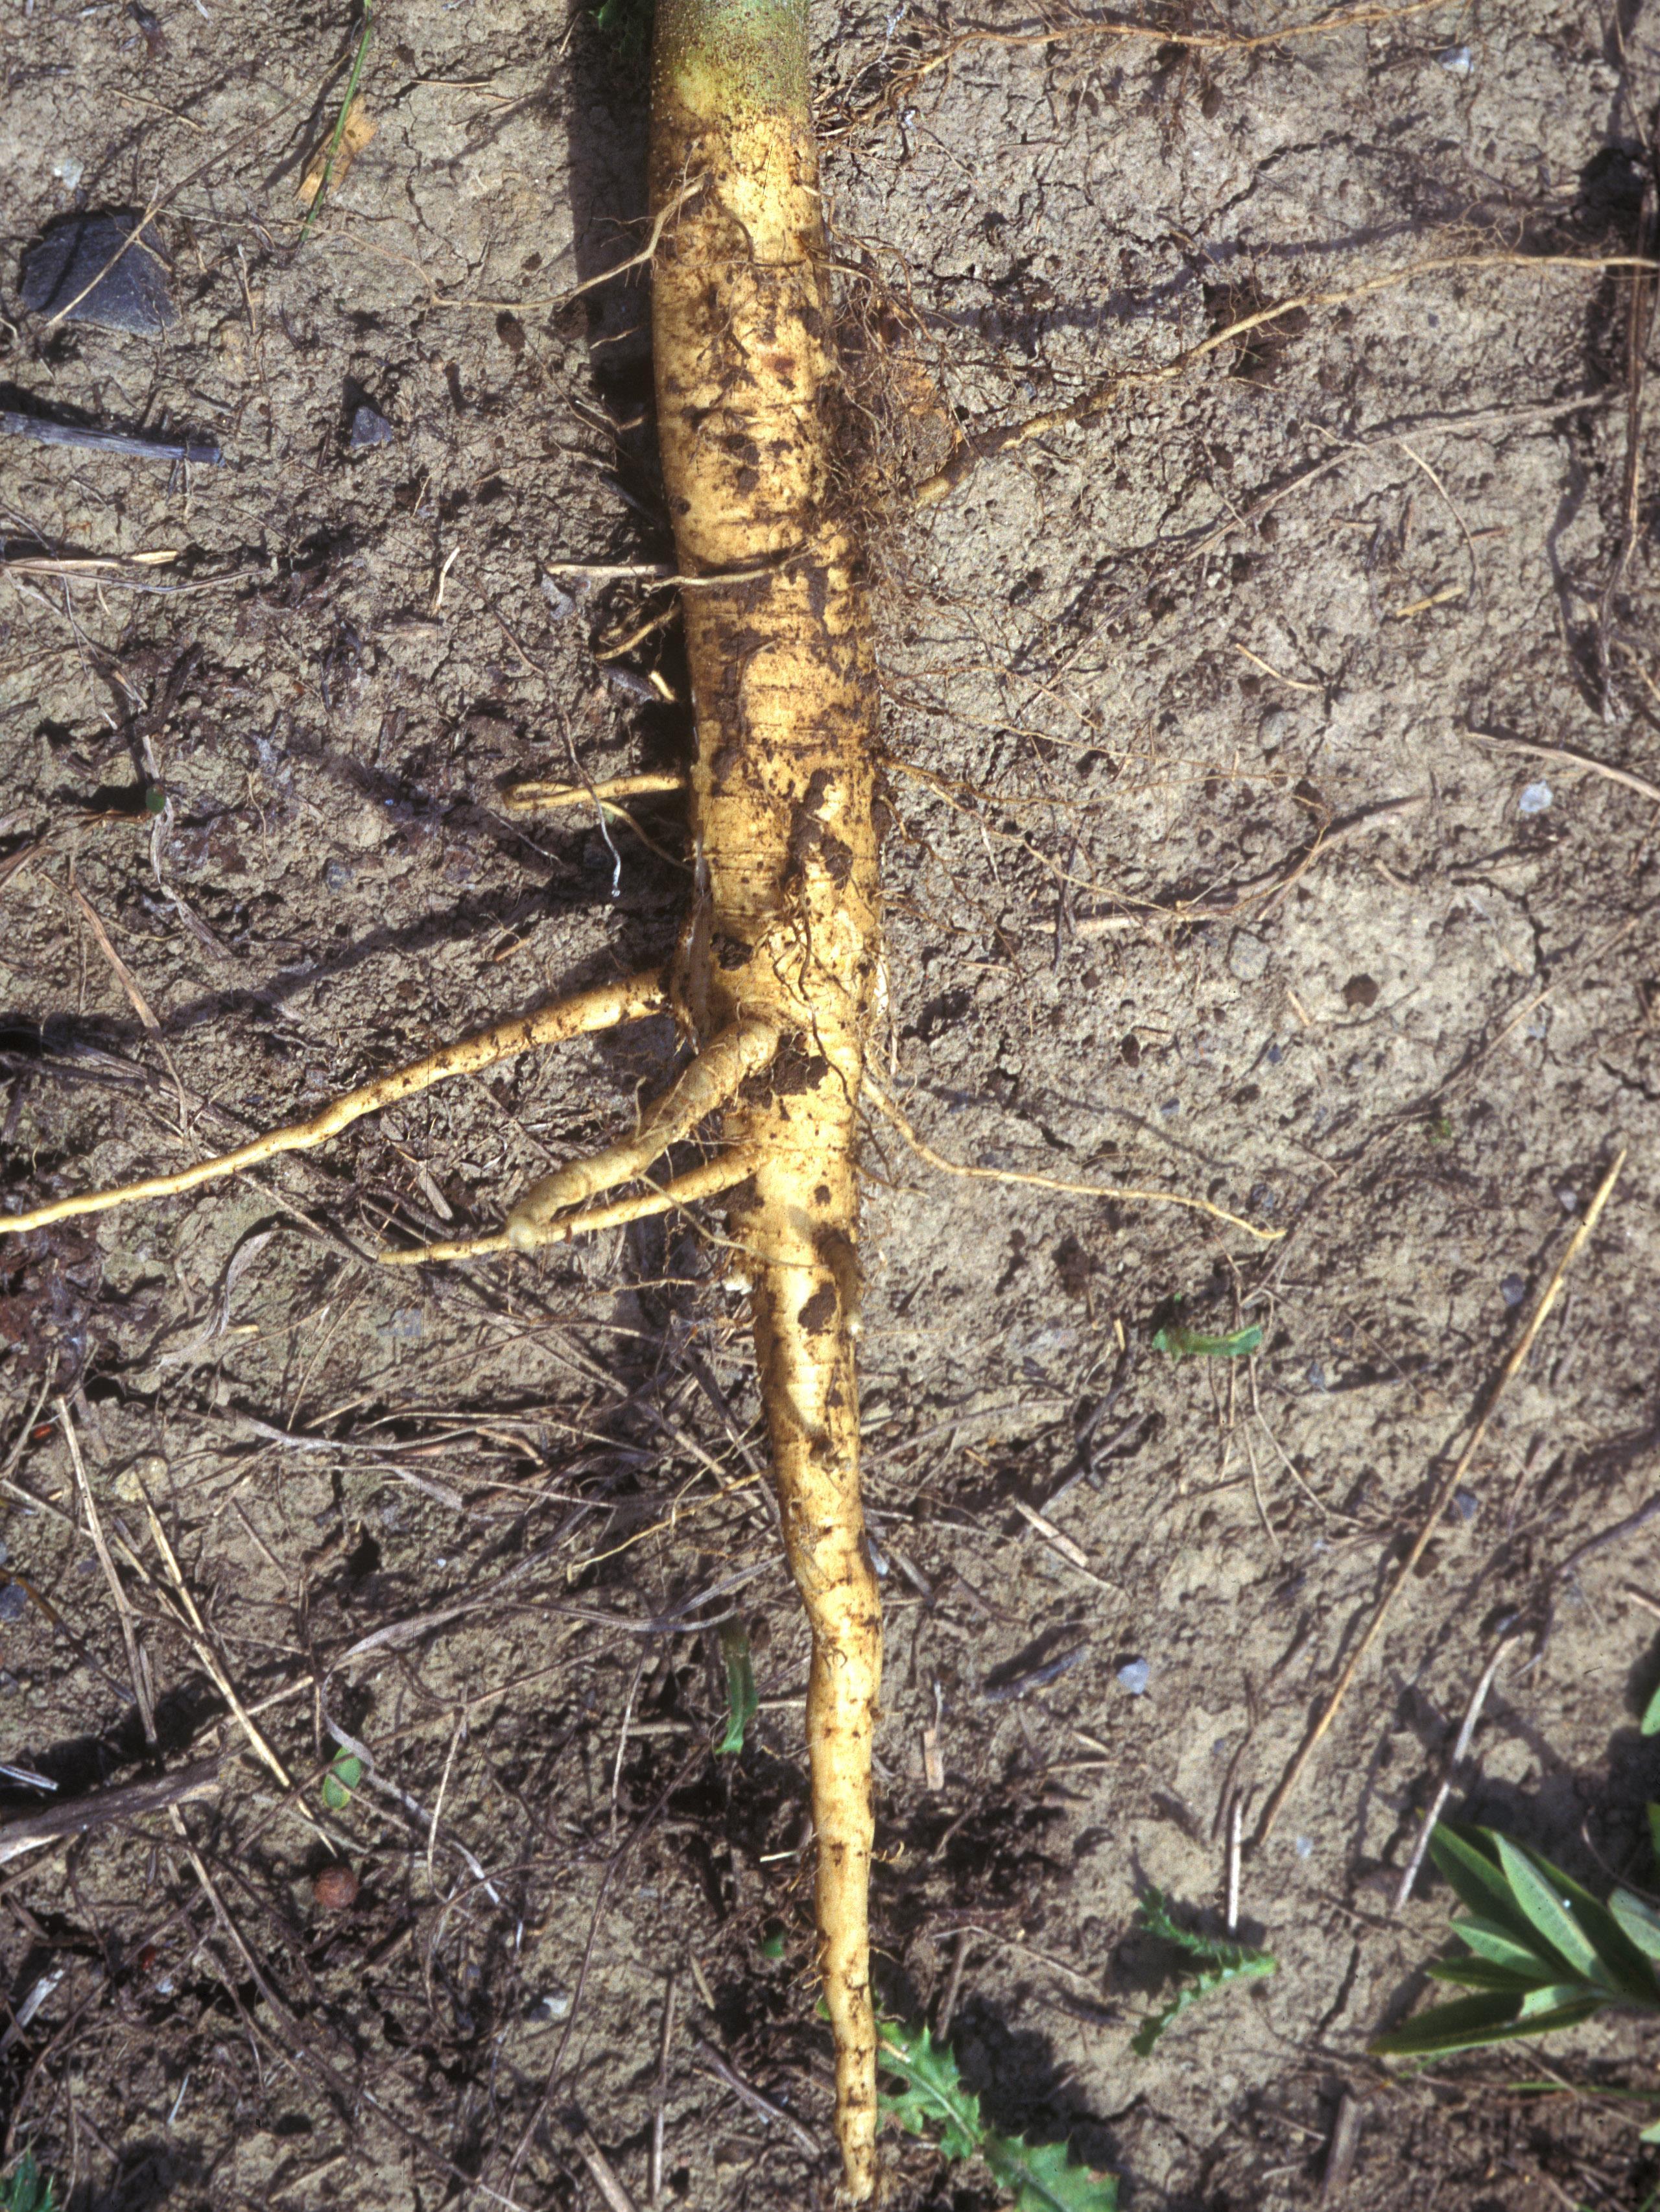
[(605, 1007), (707, 1181)]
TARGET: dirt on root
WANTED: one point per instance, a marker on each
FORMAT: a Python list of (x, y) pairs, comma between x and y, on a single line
[(1219, 867)]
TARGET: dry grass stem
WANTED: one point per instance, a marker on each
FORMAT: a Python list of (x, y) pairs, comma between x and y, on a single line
[(1441, 1499)]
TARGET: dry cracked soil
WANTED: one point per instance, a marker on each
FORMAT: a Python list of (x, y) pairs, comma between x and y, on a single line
[(1224, 863)]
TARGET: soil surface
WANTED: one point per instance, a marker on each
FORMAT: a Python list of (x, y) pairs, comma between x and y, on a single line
[(1221, 868)]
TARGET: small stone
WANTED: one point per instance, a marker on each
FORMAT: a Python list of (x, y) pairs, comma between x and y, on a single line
[(1567, 1198), (1134, 1676), (1466, 1505), (1273, 729), (337, 874), (1317, 1375), (551, 2005), (562, 603), (370, 428), (1171, 1106), (1513, 1290), (335, 1888), (14, 1601), (69, 172), (1458, 61), (74, 256), (1360, 990), (1536, 799), (1305, 1847), (1248, 956)]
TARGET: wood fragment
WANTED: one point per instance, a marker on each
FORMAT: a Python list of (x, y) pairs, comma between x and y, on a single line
[(129, 1800), (1569, 758), (1345, 2143), (601, 2172)]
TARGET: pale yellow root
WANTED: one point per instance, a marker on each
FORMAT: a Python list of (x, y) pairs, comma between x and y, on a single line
[(604, 1007), (702, 1089), (708, 1180), (549, 798)]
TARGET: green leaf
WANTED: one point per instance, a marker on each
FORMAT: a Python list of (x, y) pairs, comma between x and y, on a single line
[(1470, 1861), (1623, 1966), (25, 2190), (933, 2091), (341, 1780), (1651, 2133), (1223, 1962), (742, 1702), (1041, 2176), (1490, 1942), (1472, 2022), (357, 61), (1193, 1343), (1541, 1899), (1640, 1922), (1654, 1833), (1471, 1973), (1650, 1724)]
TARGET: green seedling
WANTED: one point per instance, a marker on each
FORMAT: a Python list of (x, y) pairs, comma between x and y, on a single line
[(1038, 2176), (26, 2189), (342, 1778), (742, 1703), (1650, 1724), (357, 61), (1219, 1964), (1540, 1952), (1193, 1343)]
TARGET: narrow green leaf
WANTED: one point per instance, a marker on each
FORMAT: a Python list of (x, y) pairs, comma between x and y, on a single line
[(1654, 1833), (357, 61), (1651, 2133), (1543, 1901), (1473, 1973), (1650, 1724), (1488, 1940), (1625, 1967), (1193, 1343), (742, 1702), (1472, 2022), (1638, 1921), (1467, 1858)]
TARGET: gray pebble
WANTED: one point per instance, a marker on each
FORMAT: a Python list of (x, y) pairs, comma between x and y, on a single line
[(1305, 1847), (1248, 956), (370, 428), (14, 1601), (554, 2004), (337, 874), (1536, 799), (1317, 1375), (1513, 1290), (1274, 728), (1466, 1505), (132, 296), (1134, 1676)]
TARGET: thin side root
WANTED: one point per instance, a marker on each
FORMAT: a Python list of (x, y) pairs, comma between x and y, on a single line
[(713, 1077), (924, 1150), (548, 798), (605, 1007), (708, 1180)]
